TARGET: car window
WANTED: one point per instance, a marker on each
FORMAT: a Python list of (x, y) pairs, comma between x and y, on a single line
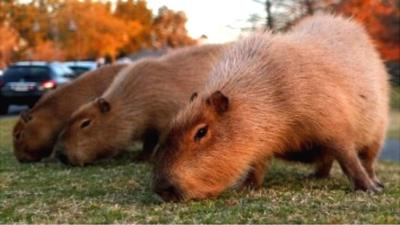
[(61, 70), (79, 69), (27, 73)]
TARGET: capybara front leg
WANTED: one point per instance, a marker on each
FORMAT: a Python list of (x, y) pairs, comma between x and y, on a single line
[(323, 167), (150, 141), (368, 157), (255, 177), (351, 166)]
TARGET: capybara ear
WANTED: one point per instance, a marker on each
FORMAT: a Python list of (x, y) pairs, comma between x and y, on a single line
[(219, 102), (103, 105), (25, 116), (193, 97)]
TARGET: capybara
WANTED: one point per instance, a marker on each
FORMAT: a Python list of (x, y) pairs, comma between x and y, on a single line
[(318, 93), (36, 131), (137, 106)]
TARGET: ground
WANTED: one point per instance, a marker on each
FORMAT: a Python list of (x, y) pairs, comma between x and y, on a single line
[(119, 192)]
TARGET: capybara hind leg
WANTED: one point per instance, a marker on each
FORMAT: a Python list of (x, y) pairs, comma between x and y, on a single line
[(368, 157), (150, 141), (255, 177), (323, 167), (351, 166)]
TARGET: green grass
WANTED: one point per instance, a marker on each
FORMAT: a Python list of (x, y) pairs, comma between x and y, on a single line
[(118, 192)]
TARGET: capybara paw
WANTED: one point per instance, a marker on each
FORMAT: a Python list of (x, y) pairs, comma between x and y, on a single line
[(371, 188), (379, 184)]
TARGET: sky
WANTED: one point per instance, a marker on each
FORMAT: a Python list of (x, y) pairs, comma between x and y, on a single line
[(219, 20)]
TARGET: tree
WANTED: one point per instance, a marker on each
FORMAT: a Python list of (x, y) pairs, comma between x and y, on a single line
[(169, 29), (89, 30), (136, 11), (8, 43)]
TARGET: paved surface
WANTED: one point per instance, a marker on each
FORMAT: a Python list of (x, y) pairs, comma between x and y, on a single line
[(390, 152)]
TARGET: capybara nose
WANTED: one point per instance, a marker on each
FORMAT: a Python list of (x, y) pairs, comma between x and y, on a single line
[(166, 190), (60, 154)]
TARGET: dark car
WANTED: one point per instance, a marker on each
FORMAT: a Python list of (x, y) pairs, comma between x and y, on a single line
[(23, 83)]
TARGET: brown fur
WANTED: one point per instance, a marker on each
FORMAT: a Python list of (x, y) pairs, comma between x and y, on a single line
[(316, 94), (36, 131), (139, 105)]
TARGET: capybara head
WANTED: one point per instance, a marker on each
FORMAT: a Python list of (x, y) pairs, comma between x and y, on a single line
[(198, 158), (33, 136), (90, 134)]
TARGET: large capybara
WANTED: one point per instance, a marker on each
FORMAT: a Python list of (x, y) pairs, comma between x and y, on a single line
[(316, 94), (36, 131), (137, 106)]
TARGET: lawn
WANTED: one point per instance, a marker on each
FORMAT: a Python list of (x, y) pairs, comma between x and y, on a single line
[(118, 192)]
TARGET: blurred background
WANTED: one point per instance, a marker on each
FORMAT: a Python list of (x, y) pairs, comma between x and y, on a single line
[(110, 30)]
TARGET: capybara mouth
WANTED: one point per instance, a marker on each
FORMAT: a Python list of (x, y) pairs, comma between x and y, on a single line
[(32, 155), (168, 191), (28, 159)]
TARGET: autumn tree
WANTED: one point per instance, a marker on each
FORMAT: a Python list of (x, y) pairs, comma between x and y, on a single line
[(169, 29), (8, 42), (136, 11), (88, 29)]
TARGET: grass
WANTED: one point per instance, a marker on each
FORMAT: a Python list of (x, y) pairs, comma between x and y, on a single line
[(118, 192)]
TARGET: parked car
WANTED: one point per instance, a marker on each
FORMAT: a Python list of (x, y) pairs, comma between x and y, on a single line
[(23, 83), (80, 67)]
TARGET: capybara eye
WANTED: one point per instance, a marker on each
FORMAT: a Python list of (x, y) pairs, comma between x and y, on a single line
[(85, 123), (202, 132), (193, 97)]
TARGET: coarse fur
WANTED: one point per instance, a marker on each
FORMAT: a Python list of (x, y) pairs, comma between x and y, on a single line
[(36, 131), (316, 94), (137, 106)]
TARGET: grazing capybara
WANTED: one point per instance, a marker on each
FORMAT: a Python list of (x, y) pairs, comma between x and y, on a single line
[(136, 107), (36, 131), (316, 94)]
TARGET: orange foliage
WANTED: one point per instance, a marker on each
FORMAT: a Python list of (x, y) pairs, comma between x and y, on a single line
[(88, 29), (382, 21), (8, 41), (46, 51)]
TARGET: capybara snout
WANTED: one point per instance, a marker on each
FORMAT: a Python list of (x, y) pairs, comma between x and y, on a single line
[(78, 134), (167, 190), (30, 145)]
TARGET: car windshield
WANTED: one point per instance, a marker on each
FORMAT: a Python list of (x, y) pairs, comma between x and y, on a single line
[(26, 73), (62, 70), (79, 69)]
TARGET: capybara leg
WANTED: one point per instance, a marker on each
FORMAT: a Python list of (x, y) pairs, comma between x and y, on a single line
[(351, 166), (323, 167), (255, 177), (368, 157), (150, 141)]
